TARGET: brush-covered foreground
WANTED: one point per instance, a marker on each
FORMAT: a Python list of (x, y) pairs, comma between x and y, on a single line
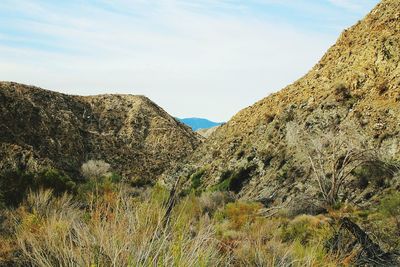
[(121, 226)]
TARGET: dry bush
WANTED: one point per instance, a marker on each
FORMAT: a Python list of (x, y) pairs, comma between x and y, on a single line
[(211, 201), (332, 155), (94, 169)]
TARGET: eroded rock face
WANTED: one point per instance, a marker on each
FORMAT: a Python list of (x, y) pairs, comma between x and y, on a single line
[(43, 128), (357, 81)]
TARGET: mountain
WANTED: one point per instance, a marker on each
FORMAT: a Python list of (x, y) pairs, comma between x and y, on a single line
[(41, 128), (199, 123), (356, 83)]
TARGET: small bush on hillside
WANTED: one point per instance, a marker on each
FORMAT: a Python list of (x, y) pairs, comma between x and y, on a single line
[(115, 177), (306, 229), (14, 184), (212, 201), (373, 172), (234, 181), (97, 188), (55, 180), (341, 92), (240, 214), (196, 179), (94, 169)]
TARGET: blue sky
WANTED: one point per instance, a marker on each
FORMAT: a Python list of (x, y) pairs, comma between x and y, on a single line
[(206, 58)]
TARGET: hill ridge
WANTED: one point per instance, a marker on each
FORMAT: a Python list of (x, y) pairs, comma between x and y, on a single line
[(135, 135)]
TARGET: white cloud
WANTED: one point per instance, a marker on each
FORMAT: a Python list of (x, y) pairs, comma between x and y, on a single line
[(191, 61), (354, 5)]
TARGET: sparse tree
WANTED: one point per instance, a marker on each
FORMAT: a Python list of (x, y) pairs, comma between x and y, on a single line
[(332, 155)]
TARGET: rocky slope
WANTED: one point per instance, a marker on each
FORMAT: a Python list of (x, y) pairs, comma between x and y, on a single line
[(357, 81), (206, 133), (40, 128)]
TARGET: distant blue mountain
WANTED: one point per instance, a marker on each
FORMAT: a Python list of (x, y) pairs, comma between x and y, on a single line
[(199, 123)]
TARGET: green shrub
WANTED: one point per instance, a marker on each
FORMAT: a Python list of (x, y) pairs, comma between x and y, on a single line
[(14, 184), (391, 205), (196, 179), (55, 180), (103, 184), (234, 181), (116, 178), (306, 229), (376, 173)]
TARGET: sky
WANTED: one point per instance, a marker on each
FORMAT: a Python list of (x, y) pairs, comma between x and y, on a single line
[(204, 58)]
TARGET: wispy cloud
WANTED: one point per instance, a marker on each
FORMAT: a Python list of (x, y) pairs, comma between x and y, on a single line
[(354, 5), (188, 55)]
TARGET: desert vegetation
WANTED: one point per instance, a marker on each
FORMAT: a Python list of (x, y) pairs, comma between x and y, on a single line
[(106, 222)]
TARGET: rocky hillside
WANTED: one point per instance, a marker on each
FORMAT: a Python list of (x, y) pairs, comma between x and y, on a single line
[(40, 128), (357, 81)]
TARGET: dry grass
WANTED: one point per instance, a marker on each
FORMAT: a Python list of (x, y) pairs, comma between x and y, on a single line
[(118, 232), (122, 230)]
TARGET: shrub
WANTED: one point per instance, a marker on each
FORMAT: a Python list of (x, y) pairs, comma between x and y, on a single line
[(390, 206), (14, 184), (234, 181), (382, 88), (90, 189), (239, 214), (306, 229), (140, 182), (321, 149), (211, 201), (373, 172), (341, 92), (94, 169), (115, 177), (196, 179), (55, 180)]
